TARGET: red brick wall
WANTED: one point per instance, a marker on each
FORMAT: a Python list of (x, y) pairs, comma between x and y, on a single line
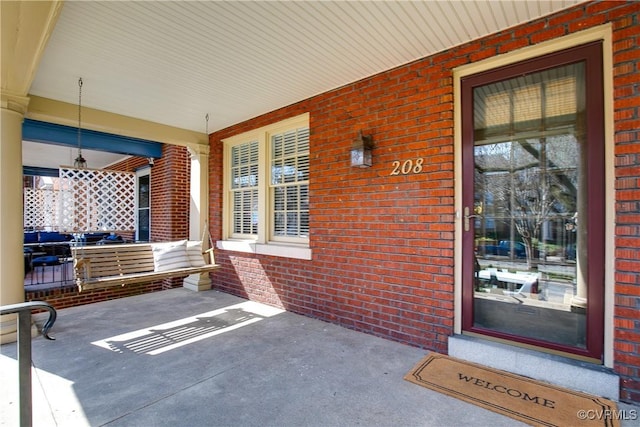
[(383, 245), (626, 70), (130, 164), (170, 198)]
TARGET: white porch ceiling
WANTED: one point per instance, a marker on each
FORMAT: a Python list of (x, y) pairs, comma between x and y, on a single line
[(173, 62), (50, 156)]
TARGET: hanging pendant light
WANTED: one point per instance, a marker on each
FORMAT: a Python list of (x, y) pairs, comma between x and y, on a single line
[(80, 162)]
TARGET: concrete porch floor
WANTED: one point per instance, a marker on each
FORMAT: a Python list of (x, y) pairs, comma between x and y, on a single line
[(179, 358)]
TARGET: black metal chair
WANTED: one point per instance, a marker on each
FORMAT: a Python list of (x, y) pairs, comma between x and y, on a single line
[(43, 262)]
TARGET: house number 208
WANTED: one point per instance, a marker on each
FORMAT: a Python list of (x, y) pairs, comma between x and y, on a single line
[(407, 167)]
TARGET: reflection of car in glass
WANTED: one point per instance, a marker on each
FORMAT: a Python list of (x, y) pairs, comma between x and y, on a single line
[(504, 248)]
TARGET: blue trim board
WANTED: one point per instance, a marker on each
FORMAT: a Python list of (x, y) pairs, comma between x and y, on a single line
[(51, 133), (36, 171)]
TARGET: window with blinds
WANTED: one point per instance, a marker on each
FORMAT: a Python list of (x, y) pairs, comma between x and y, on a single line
[(290, 184), (244, 188), (266, 187)]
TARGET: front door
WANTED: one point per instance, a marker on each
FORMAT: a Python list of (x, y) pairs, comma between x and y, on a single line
[(533, 202)]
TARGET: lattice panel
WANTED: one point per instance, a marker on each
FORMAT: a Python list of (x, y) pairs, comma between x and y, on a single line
[(96, 200), (41, 208)]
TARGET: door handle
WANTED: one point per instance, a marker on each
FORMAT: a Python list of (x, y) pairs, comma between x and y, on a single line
[(467, 217)]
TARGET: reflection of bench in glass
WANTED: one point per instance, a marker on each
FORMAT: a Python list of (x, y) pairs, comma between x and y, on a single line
[(513, 283)]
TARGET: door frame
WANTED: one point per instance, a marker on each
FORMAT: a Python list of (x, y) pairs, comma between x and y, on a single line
[(601, 33), (144, 171)]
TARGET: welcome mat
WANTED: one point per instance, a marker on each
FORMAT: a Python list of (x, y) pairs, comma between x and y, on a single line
[(521, 398)]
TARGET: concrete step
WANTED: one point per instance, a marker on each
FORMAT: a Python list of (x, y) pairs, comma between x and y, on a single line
[(554, 369)]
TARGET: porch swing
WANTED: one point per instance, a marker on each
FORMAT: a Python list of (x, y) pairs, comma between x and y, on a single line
[(111, 265), (105, 266)]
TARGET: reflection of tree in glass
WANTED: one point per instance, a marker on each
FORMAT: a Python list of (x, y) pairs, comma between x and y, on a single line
[(532, 203), (529, 182)]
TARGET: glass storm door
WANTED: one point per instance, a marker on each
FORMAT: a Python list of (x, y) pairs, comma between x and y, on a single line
[(533, 202)]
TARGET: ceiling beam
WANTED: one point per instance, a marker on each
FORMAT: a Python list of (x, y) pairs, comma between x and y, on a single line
[(37, 171), (52, 133), (66, 114)]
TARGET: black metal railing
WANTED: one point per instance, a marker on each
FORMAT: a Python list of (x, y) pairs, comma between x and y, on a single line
[(23, 310)]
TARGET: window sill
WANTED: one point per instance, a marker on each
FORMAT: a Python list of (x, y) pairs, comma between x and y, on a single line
[(272, 249)]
